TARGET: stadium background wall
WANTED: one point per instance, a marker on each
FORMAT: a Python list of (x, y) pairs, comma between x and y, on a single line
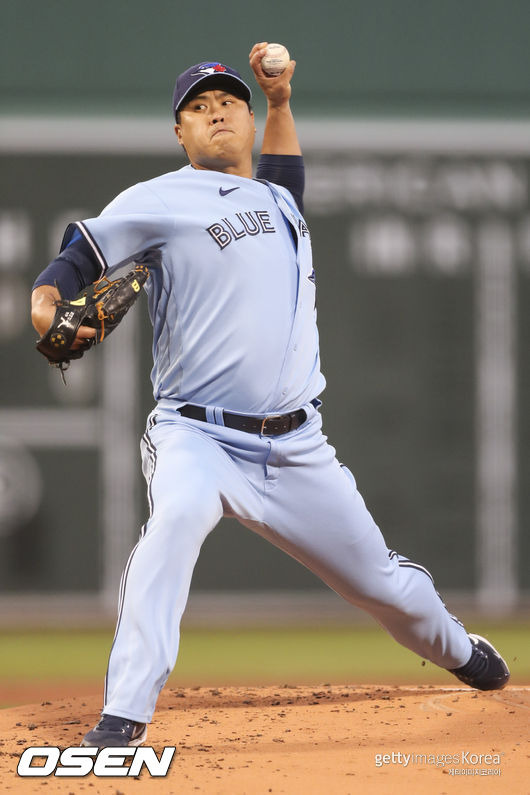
[(414, 120)]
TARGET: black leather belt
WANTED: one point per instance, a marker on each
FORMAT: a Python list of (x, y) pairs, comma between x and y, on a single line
[(273, 425)]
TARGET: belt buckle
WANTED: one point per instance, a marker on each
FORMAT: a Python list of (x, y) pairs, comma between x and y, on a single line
[(265, 420)]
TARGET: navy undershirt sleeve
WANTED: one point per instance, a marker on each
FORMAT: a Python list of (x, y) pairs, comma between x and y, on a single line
[(74, 268), (285, 170)]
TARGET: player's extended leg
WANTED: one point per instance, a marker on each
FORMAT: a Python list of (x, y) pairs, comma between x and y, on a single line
[(316, 513)]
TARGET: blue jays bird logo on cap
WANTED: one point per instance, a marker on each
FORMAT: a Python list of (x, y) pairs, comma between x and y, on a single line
[(210, 69)]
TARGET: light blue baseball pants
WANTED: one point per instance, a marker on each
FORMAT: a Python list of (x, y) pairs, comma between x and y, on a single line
[(291, 490)]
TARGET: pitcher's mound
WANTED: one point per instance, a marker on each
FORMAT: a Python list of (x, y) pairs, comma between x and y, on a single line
[(326, 740)]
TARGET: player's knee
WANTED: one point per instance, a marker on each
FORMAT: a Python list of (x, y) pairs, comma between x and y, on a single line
[(194, 512), (399, 594), (381, 589)]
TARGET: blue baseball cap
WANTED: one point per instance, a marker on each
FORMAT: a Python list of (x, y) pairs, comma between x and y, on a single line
[(209, 75)]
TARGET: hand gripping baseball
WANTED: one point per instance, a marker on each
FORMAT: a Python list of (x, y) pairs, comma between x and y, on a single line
[(275, 86), (101, 306)]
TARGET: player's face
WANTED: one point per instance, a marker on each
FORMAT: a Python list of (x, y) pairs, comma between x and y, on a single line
[(217, 131)]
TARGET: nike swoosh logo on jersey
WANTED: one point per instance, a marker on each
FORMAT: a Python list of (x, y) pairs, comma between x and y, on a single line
[(226, 192)]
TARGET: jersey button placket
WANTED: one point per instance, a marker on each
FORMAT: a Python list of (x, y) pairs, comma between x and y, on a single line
[(272, 466)]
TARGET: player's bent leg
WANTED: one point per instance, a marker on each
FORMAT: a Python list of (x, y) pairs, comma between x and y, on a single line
[(153, 596), (186, 506)]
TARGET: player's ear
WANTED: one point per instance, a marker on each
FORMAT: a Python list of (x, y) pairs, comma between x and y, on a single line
[(178, 133)]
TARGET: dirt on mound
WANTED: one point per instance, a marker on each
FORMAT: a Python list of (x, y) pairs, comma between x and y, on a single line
[(297, 739)]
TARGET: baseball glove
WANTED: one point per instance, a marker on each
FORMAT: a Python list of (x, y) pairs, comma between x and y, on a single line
[(102, 306)]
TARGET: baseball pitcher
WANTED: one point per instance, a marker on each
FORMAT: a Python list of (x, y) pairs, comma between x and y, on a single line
[(236, 430)]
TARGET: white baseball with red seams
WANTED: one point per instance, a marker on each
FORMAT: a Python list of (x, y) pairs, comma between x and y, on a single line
[(275, 60)]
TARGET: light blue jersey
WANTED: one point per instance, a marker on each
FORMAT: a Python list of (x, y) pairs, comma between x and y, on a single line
[(233, 300)]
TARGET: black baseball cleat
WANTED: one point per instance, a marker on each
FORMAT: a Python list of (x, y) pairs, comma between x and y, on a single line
[(114, 732), (485, 669)]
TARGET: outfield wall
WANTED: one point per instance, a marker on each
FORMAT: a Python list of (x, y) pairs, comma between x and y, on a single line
[(461, 58)]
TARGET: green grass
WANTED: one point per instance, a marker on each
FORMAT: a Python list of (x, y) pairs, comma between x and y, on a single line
[(340, 655), (357, 654), (56, 654)]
